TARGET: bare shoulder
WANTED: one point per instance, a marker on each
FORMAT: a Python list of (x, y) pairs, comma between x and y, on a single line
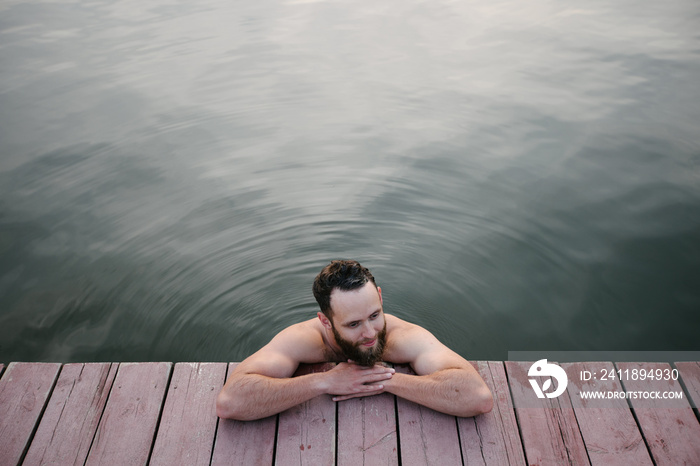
[(302, 342), (403, 333), (415, 345)]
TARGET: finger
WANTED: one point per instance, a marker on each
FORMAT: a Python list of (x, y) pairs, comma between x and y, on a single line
[(376, 369), (380, 374), (382, 369), (373, 378), (357, 395), (375, 383)]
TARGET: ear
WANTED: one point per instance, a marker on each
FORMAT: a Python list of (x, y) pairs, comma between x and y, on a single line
[(379, 290), (324, 320)]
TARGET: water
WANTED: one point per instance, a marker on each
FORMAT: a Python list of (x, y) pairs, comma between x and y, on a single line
[(518, 176)]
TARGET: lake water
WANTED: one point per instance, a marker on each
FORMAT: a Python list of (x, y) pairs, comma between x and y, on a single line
[(517, 175)]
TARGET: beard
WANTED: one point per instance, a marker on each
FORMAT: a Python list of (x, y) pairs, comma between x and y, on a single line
[(354, 351)]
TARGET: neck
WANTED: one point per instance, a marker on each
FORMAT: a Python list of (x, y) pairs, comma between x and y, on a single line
[(331, 342)]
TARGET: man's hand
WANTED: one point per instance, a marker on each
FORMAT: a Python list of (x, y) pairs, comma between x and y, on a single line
[(349, 380)]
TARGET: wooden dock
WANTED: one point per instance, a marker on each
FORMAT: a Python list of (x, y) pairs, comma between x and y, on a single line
[(163, 414)]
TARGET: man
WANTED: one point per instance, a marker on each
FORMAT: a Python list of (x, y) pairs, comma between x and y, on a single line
[(352, 330)]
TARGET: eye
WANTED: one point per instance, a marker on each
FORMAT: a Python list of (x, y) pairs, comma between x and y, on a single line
[(374, 316), (352, 324)]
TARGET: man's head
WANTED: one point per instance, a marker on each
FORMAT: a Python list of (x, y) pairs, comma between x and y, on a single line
[(351, 307), (344, 275)]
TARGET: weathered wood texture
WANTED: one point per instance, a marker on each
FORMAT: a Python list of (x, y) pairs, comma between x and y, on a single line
[(24, 389), (367, 431), (72, 414), (492, 438), (608, 427), (426, 436), (188, 424), (548, 426), (306, 433), (121, 414), (244, 443), (669, 426), (125, 433)]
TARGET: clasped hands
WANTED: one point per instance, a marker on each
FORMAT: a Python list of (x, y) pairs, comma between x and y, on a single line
[(351, 380)]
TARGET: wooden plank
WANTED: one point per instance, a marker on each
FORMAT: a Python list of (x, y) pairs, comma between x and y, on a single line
[(670, 428), (24, 389), (608, 427), (426, 436), (690, 375), (306, 433), (126, 431), (188, 423), (244, 443), (367, 431), (492, 438), (548, 426), (72, 414)]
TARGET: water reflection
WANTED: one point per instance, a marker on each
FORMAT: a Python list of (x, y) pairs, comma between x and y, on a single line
[(518, 177)]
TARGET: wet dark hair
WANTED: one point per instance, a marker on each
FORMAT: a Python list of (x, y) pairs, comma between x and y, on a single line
[(346, 275)]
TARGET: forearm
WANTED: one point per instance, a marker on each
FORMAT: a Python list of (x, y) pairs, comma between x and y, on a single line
[(248, 396), (448, 391), (255, 396)]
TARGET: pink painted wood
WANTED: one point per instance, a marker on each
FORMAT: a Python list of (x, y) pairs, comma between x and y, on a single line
[(306, 433), (548, 426), (670, 427), (24, 389), (608, 427), (244, 443), (188, 423), (690, 374), (492, 438), (426, 436), (126, 431), (367, 431), (72, 414)]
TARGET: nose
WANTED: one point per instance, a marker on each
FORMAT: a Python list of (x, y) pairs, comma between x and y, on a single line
[(367, 330)]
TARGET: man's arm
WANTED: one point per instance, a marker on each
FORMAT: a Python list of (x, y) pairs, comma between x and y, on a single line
[(249, 394), (262, 385), (445, 381), (452, 391)]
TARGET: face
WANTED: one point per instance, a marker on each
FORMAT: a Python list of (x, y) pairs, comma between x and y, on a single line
[(365, 354), (358, 323)]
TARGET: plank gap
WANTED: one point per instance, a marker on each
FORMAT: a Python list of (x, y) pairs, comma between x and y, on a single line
[(218, 420), (274, 445), (636, 419), (398, 429), (41, 415), (160, 413), (116, 367), (515, 412), (687, 391), (335, 458), (578, 426), (459, 440)]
